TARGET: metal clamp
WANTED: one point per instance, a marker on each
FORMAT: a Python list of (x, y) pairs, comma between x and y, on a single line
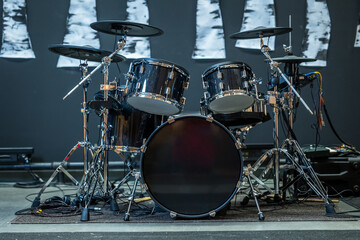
[(108, 87)]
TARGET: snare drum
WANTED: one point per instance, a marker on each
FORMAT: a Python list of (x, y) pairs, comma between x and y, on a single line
[(128, 127), (157, 86), (191, 166), (228, 87)]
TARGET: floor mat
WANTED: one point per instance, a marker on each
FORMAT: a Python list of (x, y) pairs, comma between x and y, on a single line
[(305, 211)]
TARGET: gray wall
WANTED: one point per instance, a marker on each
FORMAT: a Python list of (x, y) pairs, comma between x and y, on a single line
[(34, 114)]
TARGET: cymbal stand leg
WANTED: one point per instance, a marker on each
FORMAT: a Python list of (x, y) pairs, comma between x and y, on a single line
[(309, 175), (36, 201), (136, 174), (260, 214)]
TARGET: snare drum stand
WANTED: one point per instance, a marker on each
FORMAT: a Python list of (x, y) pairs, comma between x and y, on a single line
[(132, 173)]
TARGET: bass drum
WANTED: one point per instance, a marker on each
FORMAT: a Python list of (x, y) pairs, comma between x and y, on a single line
[(191, 166)]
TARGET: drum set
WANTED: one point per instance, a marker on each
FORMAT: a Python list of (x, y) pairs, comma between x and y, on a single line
[(190, 165)]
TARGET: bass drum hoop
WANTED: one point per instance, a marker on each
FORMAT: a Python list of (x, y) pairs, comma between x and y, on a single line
[(174, 214)]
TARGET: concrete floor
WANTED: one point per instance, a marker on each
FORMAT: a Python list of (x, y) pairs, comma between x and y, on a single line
[(13, 199)]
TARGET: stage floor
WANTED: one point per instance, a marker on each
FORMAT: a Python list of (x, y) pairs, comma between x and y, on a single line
[(13, 199)]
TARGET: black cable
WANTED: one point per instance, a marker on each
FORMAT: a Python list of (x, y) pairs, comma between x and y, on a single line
[(333, 129)]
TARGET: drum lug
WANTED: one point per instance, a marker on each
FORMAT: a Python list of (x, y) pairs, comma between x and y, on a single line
[(209, 118), (142, 69), (143, 148), (182, 100), (238, 144), (146, 187), (206, 96), (212, 213), (167, 92), (219, 75), (205, 84), (221, 86), (173, 214), (171, 74), (171, 119), (186, 85)]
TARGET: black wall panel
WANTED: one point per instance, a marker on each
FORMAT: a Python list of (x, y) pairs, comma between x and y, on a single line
[(34, 114)]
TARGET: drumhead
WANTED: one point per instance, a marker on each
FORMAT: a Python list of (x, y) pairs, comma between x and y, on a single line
[(191, 166)]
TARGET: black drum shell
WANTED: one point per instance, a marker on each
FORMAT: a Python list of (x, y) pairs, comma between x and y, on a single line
[(128, 127), (234, 76), (154, 77), (191, 167)]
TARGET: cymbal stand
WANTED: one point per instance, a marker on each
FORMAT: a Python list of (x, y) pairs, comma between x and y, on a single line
[(85, 144), (101, 171), (297, 157), (85, 111)]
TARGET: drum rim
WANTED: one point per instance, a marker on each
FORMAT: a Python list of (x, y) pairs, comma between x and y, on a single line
[(228, 64), (158, 97), (164, 63), (176, 214), (234, 92)]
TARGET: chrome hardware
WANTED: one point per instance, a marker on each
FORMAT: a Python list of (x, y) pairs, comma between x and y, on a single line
[(182, 100), (205, 85), (186, 85), (209, 118), (173, 214), (219, 75), (171, 74), (212, 213), (206, 95), (221, 86), (143, 148), (108, 87), (171, 119)]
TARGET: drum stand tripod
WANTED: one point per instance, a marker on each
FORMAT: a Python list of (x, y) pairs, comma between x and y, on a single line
[(85, 144), (132, 173), (296, 158)]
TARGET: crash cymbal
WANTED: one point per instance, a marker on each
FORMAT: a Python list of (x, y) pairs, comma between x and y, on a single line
[(117, 27), (293, 59), (260, 31), (83, 52)]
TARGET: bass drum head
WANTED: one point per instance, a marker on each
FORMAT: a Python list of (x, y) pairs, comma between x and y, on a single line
[(191, 167)]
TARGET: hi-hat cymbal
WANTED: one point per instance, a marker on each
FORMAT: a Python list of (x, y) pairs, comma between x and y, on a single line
[(260, 32), (293, 59), (83, 52), (117, 27)]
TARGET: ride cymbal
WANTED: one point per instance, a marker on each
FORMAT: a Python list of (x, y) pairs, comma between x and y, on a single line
[(118, 27)]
